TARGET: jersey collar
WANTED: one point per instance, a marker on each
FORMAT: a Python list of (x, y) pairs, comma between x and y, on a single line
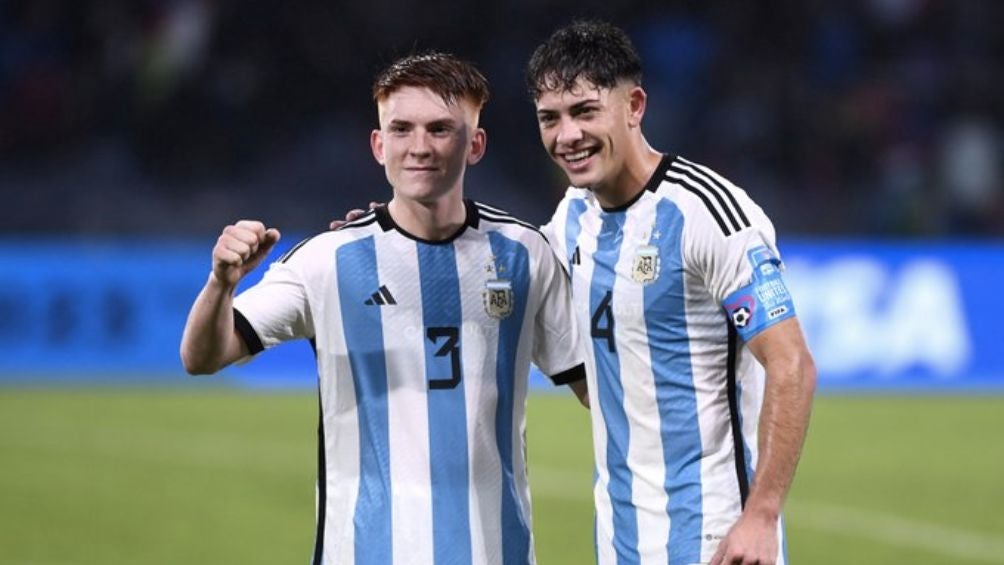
[(388, 224), (651, 186)]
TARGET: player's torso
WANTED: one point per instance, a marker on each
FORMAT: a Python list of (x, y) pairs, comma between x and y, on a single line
[(659, 353), (423, 359)]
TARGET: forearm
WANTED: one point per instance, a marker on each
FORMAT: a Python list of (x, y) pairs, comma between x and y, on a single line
[(209, 341), (784, 421)]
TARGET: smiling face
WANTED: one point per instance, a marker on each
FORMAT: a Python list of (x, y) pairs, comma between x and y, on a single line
[(425, 143), (587, 130)]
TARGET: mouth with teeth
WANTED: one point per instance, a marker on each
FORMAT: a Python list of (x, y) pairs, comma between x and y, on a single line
[(579, 159)]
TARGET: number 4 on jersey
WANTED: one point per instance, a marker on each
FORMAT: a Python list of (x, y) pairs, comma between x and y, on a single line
[(602, 326)]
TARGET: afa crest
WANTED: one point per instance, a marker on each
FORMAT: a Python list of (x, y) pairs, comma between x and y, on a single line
[(645, 268), (498, 298)]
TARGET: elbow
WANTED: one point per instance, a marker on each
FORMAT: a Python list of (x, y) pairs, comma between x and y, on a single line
[(194, 366)]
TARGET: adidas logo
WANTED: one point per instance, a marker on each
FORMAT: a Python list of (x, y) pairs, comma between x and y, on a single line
[(380, 298)]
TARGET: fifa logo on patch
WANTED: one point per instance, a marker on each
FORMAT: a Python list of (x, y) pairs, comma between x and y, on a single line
[(498, 298), (646, 264)]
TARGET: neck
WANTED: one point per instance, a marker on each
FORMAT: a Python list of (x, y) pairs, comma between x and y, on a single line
[(432, 221), (640, 164)]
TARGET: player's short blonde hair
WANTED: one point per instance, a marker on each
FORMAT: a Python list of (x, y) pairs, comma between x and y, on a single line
[(446, 75)]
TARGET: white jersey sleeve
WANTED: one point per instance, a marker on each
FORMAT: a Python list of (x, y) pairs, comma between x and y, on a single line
[(557, 349), (741, 270), (277, 308)]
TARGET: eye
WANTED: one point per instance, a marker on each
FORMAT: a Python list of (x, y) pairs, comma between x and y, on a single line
[(546, 120), (397, 128)]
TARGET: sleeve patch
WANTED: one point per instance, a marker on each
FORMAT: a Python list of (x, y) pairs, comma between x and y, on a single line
[(763, 302)]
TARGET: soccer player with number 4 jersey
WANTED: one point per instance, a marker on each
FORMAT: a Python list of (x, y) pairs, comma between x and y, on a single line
[(424, 315), (700, 381)]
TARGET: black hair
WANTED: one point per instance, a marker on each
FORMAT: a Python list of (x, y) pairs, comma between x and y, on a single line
[(594, 50)]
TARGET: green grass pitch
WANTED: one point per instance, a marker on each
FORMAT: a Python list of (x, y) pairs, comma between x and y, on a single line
[(197, 476)]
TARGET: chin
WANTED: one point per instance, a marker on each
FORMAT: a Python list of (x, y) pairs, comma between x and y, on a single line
[(581, 180)]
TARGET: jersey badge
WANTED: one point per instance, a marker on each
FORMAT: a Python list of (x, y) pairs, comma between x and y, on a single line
[(645, 268), (498, 298)]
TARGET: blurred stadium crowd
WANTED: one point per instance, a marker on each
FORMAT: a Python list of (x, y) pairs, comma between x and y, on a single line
[(171, 117)]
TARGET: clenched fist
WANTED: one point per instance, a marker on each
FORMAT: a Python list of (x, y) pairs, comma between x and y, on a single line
[(240, 248)]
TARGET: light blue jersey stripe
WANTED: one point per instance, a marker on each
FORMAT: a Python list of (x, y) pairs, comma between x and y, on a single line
[(674, 384), (610, 388), (357, 277), (573, 227), (512, 264), (442, 317)]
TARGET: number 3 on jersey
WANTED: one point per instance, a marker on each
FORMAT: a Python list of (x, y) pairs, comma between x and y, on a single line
[(450, 346), (602, 326)]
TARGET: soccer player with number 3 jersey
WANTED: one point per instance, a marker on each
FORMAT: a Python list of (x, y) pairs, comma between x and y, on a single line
[(424, 315), (700, 381)]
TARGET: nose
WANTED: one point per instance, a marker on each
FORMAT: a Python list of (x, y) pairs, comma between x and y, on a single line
[(419, 146), (569, 132)]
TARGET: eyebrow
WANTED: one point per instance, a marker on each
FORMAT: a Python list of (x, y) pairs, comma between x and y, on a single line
[(434, 123), (573, 108)]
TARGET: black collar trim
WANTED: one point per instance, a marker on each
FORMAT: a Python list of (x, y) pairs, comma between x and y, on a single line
[(651, 186), (387, 223)]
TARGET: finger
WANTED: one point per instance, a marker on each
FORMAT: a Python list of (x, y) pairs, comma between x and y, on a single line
[(243, 235), (375, 205), (236, 245), (716, 559), (354, 214), (226, 258), (335, 224), (253, 226)]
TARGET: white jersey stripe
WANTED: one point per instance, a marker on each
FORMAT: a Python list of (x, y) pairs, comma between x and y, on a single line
[(485, 469), (410, 464)]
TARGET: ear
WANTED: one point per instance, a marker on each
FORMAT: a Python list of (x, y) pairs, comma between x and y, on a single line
[(376, 144), (637, 99), (479, 143)]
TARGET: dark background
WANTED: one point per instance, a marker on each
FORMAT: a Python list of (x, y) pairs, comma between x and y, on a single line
[(173, 118)]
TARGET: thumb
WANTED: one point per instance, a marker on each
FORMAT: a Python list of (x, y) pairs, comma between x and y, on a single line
[(264, 248), (272, 236)]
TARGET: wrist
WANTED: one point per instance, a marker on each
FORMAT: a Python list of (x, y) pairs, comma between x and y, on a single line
[(220, 284), (758, 508)]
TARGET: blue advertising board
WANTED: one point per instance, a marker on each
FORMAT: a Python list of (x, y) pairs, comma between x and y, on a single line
[(877, 315)]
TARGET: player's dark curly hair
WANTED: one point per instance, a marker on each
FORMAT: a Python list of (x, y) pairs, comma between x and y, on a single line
[(443, 73), (594, 50)]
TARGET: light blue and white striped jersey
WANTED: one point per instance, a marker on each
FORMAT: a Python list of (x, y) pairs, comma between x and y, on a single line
[(423, 353), (669, 285)]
